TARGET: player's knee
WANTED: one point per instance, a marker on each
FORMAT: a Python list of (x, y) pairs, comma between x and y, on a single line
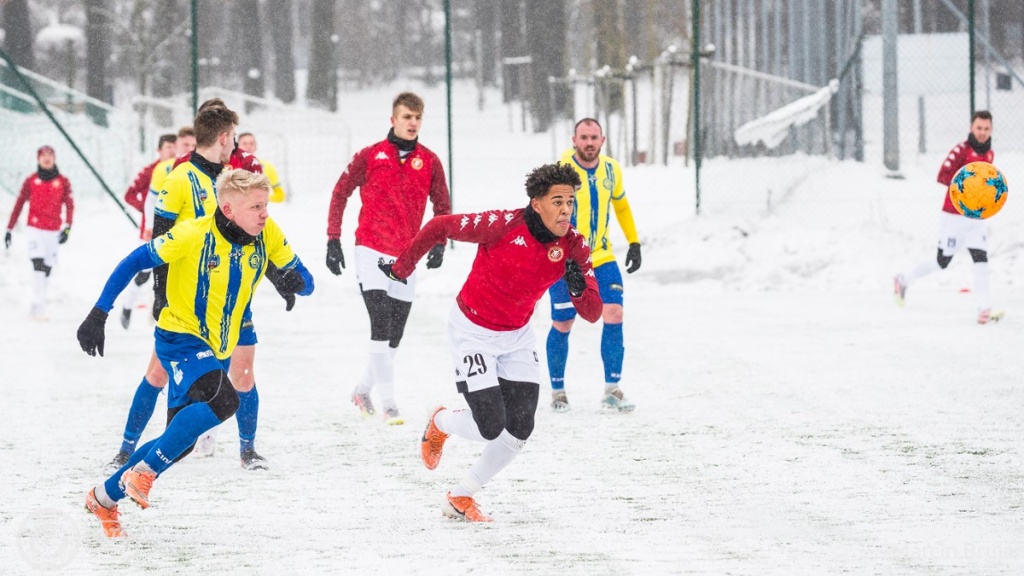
[(943, 260), (215, 390), (40, 266), (612, 314), (520, 407), (490, 427), (142, 277), (157, 376), (563, 326), (978, 256), (488, 411)]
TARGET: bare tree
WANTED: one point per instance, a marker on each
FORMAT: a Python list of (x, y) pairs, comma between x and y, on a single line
[(322, 87), (546, 28), (97, 49), (611, 46), (252, 47), (485, 14), (18, 33), (511, 46), (280, 13)]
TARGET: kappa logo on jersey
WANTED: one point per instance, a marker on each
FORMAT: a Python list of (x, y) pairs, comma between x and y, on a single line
[(213, 261), (463, 222), (555, 254), (382, 155), (255, 260), (492, 218), (477, 220), (519, 240), (508, 217), (416, 163)]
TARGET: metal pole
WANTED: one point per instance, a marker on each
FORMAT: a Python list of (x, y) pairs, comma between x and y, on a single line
[(970, 47), (448, 91), (195, 57), (890, 94), (46, 110), (695, 62)]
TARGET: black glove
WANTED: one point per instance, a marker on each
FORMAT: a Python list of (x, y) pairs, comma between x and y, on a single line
[(159, 303), (335, 258), (633, 258), (287, 283), (385, 267), (435, 256), (90, 333), (574, 278), (63, 236), (159, 290), (7, 240)]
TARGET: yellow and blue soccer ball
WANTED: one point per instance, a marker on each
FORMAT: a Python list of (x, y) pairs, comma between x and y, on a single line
[(978, 190)]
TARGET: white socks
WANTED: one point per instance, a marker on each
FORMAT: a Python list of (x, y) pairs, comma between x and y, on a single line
[(922, 269), (498, 454), (981, 289), (459, 423), (39, 283)]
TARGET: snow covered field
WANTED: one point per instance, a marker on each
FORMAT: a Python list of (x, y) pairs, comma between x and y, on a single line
[(790, 419)]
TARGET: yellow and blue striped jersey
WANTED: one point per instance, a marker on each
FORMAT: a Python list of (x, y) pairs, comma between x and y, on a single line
[(210, 281), (601, 192), (276, 189), (186, 194), (160, 172)]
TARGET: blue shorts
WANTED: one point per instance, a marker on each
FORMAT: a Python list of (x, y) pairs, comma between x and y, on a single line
[(185, 358), (609, 283), (247, 334)]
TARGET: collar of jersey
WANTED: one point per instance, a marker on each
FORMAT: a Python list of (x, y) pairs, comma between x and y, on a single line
[(209, 168), (536, 226), (231, 231)]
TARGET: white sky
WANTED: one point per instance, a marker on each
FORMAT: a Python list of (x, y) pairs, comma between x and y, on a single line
[(790, 419)]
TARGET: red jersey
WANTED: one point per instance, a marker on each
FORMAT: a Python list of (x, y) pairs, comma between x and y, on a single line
[(45, 198), (394, 194), (512, 269), (961, 155), (136, 194), (239, 159)]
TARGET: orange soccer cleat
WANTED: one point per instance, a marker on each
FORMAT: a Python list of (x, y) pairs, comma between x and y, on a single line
[(136, 485), (108, 516), (432, 443), (463, 508)]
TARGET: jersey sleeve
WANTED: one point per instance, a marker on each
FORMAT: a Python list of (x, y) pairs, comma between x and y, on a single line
[(69, 203), (177, 243), (140, 259), (588, 305), (350, 179), (281, 254), (23, 195), (623, 213), (481, 228), (439, 197), (954, 160), (172, 195)]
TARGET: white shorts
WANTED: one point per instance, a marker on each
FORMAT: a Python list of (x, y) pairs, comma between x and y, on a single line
[(42, 244), (370, 276), (481, 356), (956, 232)]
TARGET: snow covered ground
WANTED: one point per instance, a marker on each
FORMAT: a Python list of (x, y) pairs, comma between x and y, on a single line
[(791, 419)]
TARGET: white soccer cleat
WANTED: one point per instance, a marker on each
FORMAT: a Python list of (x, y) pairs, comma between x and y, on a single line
[(614, 399), (899, 288), (987, 316), (559, 401)]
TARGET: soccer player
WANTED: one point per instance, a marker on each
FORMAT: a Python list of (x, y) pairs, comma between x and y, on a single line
[(395, 177), (247, 143), (602, 192), (188, 192), (957, 231), (521, 254), (214, 264), (48, 193), (136, 196), (183, 145)]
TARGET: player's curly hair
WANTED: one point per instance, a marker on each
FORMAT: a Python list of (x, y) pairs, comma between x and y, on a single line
[(540, 181)]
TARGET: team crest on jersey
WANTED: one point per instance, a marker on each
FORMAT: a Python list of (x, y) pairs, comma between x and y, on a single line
[(255, 261), (213, 261), (55, 184), (416, 163), (607, 183), (555, 254)]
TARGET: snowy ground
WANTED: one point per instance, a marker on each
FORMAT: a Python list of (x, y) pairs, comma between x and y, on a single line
[(790, 420)]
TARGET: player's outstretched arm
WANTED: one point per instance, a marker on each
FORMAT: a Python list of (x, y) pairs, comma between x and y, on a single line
[(91, 332)]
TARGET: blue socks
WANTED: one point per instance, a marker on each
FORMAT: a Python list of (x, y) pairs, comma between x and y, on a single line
[(159, 453), (138, 416), (248, 409), (612, 352), (558, 352)]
